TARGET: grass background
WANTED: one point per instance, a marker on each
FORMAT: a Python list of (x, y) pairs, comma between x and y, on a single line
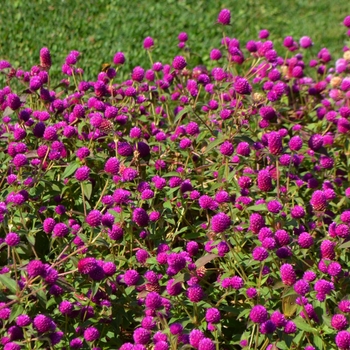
[(99, 28)]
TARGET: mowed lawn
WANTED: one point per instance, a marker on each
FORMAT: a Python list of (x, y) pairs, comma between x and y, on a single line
[(99, 28)]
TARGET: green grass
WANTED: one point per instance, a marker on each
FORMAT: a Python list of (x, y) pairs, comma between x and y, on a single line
[(99, 28)]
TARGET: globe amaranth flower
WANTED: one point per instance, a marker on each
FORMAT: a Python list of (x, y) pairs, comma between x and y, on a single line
[(142, 336), (195, 293), (288, 275), (278, 319), (258, 314), (339, 322), (318, 201), (87, 265), (264, 181), (35, 268), (220, 222), (140, 217), (43, 323), (12, 239), (275, 143), (342, 339), (256, 222), (274, 206), (224, 17), (91, 334), (23, 320), (82, 173), (131, 277), (179, 63), (267, 327), (305, 240), (297, 212), (212, 315), (260, 254), (94, 218), (195, 337), (206, 344), (327, 249)]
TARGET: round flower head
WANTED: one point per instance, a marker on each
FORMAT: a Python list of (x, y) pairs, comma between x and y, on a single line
[(305, 240), (274, 206), (342, 339), (264, 181), (43, 323), (206, 344), (327, 249), (87, 265), (260, 254), (297, 212), (256, 222), (23, 320), (140, 217), (94, 218), (195, 293), (35, 268), (179, 63), (278, 319), (242, 86), (258, 314), (131, 277), (220, 222), (12, 239), (339, 322), (275, 143), (119, 58), (288, 275), (112, 166), (318, 201), (224, 17), (226, 148), (82, 173), (212, 315), (148, 43), (91, 334), (142, 336), (195, 337)]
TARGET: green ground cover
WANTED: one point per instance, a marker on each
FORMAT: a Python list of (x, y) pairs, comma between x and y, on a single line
[(100, 28)]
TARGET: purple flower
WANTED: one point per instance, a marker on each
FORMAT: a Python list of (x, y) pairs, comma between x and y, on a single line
[(35, 268), (288, 275), (264, 181), (141, 336), (342, 339), (140, 217), (256, 222), (195, 293), (131, 277), (94, 218), (119, 58), (220, 222), (318, 201), (258, 314), (179, 63), (260, 254), (206, 344), (148, 43), (242, 86), (305, 240), (112, 166), (339, 322), (12, 239), (195, 337), (224, 17), (212, 315), (43, 323), (91, 334)]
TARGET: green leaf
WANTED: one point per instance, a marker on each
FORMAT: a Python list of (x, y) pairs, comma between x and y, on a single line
[(259, 207), (345, 245), (87, 187), (213, 144), (8, 282), (318, 342), (205, 259), (16, 310), (168, 205), (304, 326), (181, 113), (70, 169)]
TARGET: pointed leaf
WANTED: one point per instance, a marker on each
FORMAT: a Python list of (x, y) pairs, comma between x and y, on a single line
[(70, 169), (87, 186), (205, 259), (8, 282)]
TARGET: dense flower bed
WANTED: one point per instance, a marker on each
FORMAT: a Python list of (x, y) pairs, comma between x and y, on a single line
[(203, 207)]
